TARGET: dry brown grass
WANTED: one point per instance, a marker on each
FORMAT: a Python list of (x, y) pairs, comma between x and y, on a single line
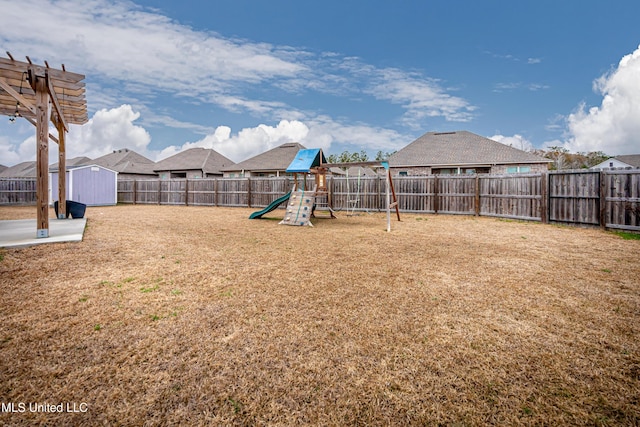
[(199, 316)]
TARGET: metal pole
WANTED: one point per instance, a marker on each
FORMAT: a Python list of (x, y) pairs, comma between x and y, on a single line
[(388, 206)]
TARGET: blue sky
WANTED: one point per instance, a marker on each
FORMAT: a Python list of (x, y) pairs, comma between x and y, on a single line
[(243, 76)]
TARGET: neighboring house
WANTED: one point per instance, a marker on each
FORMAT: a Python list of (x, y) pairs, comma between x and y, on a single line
[(93, 185), (127, 163), (270, 163), (193, 163), (21, 170), (2, 167), (463, 152), (625, 161)]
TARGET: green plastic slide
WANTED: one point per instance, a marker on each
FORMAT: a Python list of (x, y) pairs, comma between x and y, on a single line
[(272, 206)]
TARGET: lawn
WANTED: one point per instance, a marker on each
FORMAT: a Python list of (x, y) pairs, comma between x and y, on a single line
[(198, 316)]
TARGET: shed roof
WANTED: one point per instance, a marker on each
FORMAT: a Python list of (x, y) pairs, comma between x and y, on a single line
[(306, 159), (84, 166), (205, 159), (459, 148), (277, 158)]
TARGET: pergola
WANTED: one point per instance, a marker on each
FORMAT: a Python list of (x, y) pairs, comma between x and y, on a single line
[(41, 94)]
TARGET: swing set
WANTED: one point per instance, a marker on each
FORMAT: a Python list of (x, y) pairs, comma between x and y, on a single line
[(304, 203)]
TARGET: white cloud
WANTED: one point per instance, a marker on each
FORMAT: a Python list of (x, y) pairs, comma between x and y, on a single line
[(122, 41), (135, 56), (614, 126), (509, 87), (320, 132), (247, 142), (515, 141), (106, 131), (11, 154), (421, 97), (324, 131)]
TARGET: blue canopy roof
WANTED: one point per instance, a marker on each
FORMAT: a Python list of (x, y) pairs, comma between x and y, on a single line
[(307, 159)]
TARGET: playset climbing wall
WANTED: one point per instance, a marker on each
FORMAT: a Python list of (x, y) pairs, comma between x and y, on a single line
[(299, 208)]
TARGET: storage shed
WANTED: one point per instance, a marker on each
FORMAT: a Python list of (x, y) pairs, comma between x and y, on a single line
[(92, 185)]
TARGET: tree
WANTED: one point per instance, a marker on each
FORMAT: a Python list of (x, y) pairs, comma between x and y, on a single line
[(380, 155), (557, 154), (563, 159), (347, 157)]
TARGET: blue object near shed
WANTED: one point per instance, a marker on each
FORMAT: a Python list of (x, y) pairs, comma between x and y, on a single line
[(75, 209)]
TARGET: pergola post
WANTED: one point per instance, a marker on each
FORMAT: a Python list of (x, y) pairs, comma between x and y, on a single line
[(39, 84), (62, 173)]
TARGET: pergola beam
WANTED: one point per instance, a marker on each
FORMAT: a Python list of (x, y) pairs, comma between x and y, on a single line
[(56, 104), (19, 98)]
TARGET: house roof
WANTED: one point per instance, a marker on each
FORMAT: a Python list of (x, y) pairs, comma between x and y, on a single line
[(277, 158), (2, 167), (125, 161), (70, 163), (630, 159), (459, 148), (21, 170), (207, 160), (28, 169), (305, 159)]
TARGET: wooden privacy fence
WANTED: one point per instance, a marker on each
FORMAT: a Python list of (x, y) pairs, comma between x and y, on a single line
[(18, 191), (607, 198)]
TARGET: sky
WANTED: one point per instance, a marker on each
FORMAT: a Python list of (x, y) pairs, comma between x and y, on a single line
[(244, 76)]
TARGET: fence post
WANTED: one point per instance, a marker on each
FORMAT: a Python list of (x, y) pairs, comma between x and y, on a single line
[(186, 192), (603, 200), (477, 199), (436, 204), (215, 191), (379, 187), (544, 197), (160, 191), (248, 192), (135, 191)]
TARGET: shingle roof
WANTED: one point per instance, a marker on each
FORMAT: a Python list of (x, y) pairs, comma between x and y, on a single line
[(76, 161), (125, 161), (459, 148), (21, 170), (630, 159), (275, 159), (207, 160), (2, 167)]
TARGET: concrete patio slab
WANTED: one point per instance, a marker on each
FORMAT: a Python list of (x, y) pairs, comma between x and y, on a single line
[(22, 233)]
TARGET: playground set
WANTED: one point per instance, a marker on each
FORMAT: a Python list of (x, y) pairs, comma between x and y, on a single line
[(308, 199)]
